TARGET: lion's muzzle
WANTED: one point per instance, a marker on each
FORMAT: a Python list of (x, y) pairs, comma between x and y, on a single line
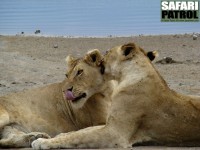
[(70, 96)]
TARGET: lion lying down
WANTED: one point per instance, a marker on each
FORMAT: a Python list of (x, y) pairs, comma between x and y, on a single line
[(41, 112), (143, 107)]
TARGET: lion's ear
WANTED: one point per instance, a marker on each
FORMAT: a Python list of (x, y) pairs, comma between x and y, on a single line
[(70, 60), (128, 50), (152, 55), (93, 57)]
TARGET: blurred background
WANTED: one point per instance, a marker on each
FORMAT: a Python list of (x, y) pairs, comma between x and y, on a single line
[(87, 18)]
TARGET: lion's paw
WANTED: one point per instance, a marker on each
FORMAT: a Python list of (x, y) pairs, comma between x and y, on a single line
[(35, 135), (41, 144)]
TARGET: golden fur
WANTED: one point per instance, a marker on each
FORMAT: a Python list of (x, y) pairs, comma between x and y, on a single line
[(143, 108), (41, 112)]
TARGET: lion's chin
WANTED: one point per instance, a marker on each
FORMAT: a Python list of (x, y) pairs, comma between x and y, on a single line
[(83, 95), (77, 104)]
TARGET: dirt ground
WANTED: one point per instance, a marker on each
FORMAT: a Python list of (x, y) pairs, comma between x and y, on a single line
[(29, 62)]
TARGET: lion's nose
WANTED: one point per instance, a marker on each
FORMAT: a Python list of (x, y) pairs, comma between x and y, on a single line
[(70, 89)]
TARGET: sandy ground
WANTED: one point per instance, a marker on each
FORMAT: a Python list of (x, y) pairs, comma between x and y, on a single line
[(30, 62)]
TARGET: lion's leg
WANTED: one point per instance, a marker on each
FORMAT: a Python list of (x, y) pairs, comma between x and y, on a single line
[(92, 137), (4, 117), (13, 137)]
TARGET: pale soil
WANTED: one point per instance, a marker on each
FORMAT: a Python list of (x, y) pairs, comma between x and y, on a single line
[(29, 62)]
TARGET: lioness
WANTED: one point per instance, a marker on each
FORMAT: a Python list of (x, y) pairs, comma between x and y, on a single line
[(52, 110), (143, 108)]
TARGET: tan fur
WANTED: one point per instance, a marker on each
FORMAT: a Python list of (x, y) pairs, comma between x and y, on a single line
[(143, 109), (41, 112)]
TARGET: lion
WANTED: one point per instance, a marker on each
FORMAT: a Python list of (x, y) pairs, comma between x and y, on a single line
[(51, 110), (143, 108)]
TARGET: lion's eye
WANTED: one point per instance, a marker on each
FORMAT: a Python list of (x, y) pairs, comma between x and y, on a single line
[(79, 72), (66, 75)]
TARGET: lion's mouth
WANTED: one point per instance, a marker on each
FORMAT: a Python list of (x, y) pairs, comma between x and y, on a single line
[(70, 96)]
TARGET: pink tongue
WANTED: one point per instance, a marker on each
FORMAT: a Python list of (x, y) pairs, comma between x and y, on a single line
[(69, 95)]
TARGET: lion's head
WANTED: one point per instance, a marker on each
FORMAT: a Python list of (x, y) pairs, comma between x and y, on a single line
[(117, 60), (83, 77)]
